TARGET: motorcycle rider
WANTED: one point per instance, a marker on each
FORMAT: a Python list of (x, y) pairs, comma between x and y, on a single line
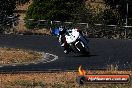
[(62, 39)]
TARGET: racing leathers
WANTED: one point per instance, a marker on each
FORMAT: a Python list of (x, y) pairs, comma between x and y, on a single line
[(63, 41)]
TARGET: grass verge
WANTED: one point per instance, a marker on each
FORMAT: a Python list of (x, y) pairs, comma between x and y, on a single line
[(55, 80), (11, 56)]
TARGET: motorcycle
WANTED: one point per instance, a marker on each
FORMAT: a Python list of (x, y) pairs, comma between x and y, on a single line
[(77, 42)]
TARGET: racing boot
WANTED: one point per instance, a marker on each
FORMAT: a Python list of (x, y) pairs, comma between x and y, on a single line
[(66, 48), (66, 51)]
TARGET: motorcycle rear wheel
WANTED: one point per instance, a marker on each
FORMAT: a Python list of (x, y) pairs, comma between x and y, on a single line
[(82, 48)]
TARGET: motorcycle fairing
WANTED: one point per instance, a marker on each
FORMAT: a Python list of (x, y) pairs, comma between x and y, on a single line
[(73, 35)]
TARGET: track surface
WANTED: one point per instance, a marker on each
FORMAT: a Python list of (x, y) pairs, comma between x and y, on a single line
[(103, 53)]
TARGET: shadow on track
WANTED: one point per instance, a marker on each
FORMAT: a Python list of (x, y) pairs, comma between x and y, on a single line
[(81, 55), (86, 55)]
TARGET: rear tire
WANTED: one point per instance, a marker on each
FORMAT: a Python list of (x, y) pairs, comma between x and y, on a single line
[(80, 46), (83, 50), (86, 53)]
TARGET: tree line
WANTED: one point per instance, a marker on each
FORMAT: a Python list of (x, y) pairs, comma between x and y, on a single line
[(66, 10), (75, 10), (7, 10)]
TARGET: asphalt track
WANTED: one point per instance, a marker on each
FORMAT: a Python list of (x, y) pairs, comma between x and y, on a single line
[(103, 53)]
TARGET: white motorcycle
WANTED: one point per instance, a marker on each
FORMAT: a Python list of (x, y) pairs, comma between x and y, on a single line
[(77, 42)]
